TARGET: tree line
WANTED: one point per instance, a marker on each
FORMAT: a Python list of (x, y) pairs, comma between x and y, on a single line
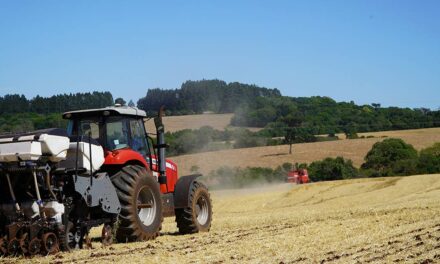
[(15, 103), (297, 119), (390, 157), (19, 114), (323, 115), (207, 138)]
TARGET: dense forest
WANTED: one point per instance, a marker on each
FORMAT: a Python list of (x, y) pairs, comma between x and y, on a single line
[(205, 95)]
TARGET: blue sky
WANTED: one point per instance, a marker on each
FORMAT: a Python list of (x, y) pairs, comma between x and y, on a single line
[(367, 51)]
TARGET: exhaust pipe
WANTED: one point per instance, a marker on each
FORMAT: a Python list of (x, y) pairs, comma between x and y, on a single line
[(160, 130)]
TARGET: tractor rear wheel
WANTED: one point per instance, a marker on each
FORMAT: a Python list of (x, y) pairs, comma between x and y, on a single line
[(197, 217), (141, 204)]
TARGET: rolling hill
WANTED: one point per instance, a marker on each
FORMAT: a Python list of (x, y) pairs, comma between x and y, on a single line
[(273, 156)]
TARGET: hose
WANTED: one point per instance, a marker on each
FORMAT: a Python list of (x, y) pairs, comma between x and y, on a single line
[(37, 190), (48, 185), (17, 206)]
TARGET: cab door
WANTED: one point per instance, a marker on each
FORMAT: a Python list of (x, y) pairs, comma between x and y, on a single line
[(138, 141)]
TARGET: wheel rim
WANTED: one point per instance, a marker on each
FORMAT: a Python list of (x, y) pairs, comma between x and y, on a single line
[(146, 206), (202, 210)]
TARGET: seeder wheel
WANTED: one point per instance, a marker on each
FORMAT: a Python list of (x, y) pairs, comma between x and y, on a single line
[(34, 246), (24, 243), (74, 237), (13, 247), (3, 246), (107, 235), (50, 243)]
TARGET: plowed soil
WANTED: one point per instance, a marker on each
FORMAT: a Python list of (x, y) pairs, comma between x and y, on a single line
[(381, 220)]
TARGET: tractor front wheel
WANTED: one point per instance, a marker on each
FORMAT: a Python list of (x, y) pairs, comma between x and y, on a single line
[(141, 205), (197, 217)]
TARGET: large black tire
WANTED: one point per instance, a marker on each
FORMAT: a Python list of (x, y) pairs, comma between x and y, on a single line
[(197, 217), (141, 204)]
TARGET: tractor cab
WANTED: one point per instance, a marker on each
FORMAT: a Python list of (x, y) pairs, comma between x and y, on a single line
[(113, 127), (120, 130)]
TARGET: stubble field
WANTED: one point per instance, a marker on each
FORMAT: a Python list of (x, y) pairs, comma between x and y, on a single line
[(378, 220), (176, 123), (273, 156)]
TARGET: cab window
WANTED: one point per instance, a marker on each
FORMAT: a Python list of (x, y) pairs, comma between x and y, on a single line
[(86, 127), (89, 128)]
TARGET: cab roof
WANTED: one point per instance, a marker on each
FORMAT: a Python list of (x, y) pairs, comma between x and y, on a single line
[(106, 111)]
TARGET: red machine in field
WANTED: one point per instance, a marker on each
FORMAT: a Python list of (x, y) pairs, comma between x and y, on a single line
[(298, 176)]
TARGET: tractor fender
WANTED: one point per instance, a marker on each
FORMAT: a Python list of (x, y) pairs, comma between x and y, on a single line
[(124, 156), (181, 191)]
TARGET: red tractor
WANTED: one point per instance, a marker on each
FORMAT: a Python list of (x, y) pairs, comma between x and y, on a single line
[(298, 176), (106, 170)]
